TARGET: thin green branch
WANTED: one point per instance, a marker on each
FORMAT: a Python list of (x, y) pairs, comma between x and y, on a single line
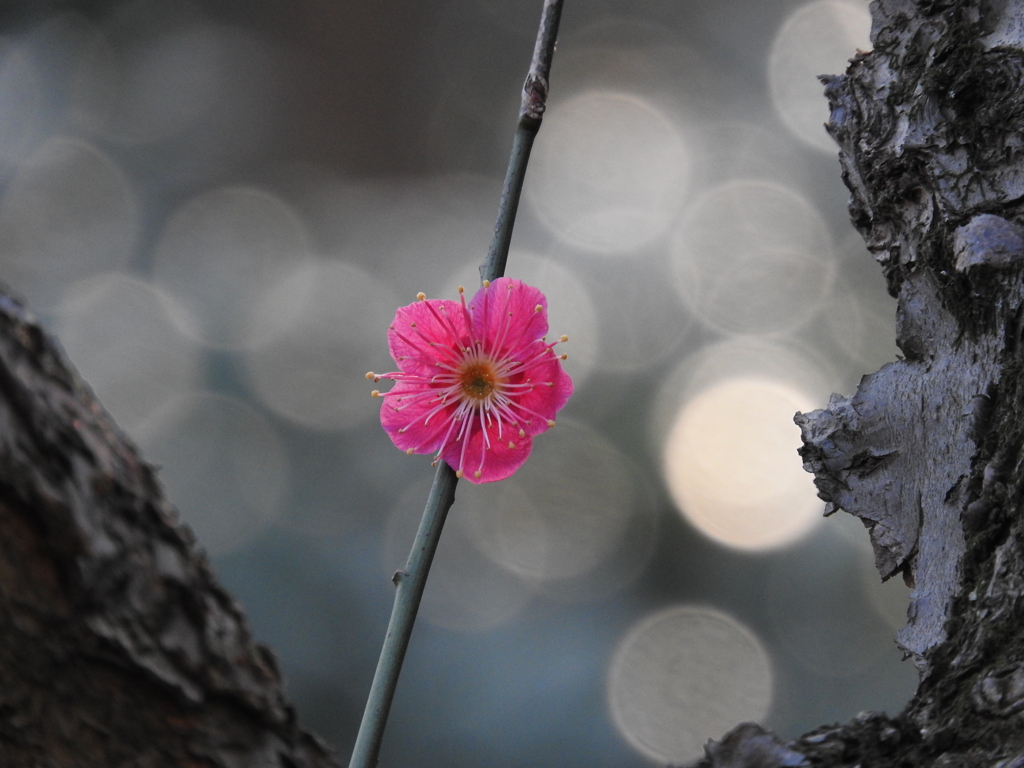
[(409, 586), (531, 112), (409, 583)]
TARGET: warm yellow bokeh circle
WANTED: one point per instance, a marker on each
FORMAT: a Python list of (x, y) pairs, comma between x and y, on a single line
[(732, 468)]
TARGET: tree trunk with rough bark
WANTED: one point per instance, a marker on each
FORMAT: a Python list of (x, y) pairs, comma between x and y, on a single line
[(117, 645), (929, 452)]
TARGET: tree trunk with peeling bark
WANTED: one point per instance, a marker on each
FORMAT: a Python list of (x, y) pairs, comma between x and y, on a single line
[(929, 451)]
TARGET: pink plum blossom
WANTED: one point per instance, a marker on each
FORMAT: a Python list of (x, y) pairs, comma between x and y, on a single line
[(475, 383)]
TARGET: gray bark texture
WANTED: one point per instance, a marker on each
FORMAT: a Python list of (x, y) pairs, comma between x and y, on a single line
[(117, 645), (929, 451)]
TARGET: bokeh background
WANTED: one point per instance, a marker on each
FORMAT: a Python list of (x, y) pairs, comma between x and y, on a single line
[(217, 206)]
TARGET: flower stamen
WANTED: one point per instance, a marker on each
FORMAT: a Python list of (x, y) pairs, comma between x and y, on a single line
[(478, 380)]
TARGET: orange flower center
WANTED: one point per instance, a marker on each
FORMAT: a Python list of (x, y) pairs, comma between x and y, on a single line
[(478, 380)]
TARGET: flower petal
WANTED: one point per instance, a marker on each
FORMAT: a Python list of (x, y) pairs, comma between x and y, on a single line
[(420, 325), (434, 341), (548, 400), (505, 315), (552, 389), (501, 460), (404, 416)]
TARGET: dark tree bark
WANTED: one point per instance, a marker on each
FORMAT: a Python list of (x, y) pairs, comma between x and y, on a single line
[(928, 451), (117, 645)]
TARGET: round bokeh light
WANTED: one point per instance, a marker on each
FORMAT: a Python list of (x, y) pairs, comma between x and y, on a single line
[(121, 337), (327, 324), (564, 513), (69, 213), (819, 38), (218, 256), (223, 465), (731, 464), (465, 592), (753, 257), (609, 172), (685, 675)]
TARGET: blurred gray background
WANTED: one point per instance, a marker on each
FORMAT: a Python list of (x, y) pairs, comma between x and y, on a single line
[(218, 207)]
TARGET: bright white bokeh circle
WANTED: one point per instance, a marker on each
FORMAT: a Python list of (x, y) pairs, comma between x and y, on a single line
[(684, 675), (731, 465), (818, 38), (608, 173), (753, 257)]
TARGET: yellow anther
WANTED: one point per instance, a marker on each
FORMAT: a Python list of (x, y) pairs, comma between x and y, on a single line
[(522, 433), (564, 356), (375, 393), (538, 308), (461, 289), (370, 375), (511, 444), (410, 452), (551, 422), (412, 325), (487, 283), (563, 337), (476, 474), (421, 295), (459, 474)]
